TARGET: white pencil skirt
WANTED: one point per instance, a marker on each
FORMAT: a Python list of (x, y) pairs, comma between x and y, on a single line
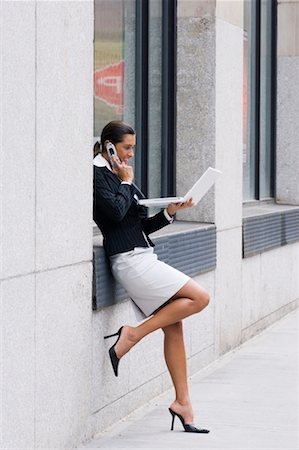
[(149, 282)]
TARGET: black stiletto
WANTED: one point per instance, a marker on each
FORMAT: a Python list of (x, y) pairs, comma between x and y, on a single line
[(187, 427), (113, 357)]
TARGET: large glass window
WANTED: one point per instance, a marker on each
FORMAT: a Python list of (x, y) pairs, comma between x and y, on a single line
[(259, 99), (114, 62), (134, 80), (155, 110), (266, 144), (155, 97), (249, 103)]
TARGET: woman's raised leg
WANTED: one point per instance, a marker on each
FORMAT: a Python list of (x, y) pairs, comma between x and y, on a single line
[(190, 299)]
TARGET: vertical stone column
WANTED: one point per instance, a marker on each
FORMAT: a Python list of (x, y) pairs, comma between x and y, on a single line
[(46, 222), (17, 225), (196, 54), (228, 191), (209, 133), (287, 131)]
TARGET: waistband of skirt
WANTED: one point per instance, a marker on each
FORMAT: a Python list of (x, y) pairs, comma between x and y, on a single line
[(135, 251)]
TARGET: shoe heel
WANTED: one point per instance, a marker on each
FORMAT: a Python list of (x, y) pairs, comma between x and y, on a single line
[(173, 417), (114, 334), (187, 427), (110, 335)]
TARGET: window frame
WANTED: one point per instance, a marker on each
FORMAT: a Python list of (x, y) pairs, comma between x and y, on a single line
[(168, 110), (256, 99)]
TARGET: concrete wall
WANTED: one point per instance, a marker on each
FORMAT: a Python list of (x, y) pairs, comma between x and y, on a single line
[(270, 287), (287, 102), (46, 229)]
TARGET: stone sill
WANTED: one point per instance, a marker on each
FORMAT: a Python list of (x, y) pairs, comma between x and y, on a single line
[(267, 226), (174, 228), (258, 209)]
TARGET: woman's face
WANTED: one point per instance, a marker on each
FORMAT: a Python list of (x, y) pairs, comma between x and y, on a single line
[(125, 148)]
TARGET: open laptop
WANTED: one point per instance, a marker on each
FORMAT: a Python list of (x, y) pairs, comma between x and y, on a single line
[(198, 190)]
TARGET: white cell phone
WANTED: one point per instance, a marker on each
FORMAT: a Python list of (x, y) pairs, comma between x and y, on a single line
[(111, 150)]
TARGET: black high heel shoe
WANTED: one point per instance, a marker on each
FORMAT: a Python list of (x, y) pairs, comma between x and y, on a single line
[(187, 427), (113, 357)]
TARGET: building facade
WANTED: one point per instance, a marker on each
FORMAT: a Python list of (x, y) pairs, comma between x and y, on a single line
[(204, 83)]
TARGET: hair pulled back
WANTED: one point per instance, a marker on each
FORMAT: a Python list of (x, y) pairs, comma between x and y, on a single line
[(114, 132)]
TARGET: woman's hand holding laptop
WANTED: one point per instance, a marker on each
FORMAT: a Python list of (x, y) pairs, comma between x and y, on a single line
[(172, 208)]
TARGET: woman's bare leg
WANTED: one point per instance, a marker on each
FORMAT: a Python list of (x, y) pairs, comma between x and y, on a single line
[(190, 299), (175, 357)]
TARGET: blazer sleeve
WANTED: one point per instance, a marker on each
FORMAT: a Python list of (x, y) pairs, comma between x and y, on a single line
[(116, 204), (154, 223)]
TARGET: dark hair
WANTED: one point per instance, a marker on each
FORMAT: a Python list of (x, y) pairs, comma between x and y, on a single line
[(114, 132)]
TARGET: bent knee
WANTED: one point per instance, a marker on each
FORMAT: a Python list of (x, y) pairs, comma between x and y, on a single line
[(206, 298), (202, 300)]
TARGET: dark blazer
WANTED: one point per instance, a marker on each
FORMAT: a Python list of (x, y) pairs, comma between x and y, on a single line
[(123, 223)]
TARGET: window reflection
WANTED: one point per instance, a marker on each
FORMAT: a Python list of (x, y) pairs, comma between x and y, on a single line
[(266, 99), (155, 97), (249, 103), (113, 77), (258, 124)]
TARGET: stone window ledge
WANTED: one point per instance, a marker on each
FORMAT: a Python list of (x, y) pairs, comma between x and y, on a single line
[(267, 226)]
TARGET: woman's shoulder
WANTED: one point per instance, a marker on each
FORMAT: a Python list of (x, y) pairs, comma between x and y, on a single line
[(101, 171), (104, 177)]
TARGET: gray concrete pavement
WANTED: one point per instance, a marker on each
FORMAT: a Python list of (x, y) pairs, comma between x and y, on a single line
[(248, 399)]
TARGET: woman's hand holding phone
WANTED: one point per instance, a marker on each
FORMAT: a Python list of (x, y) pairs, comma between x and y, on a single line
[(122, 170)]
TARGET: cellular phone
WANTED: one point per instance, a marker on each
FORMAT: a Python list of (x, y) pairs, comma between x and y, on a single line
[(111, 150)]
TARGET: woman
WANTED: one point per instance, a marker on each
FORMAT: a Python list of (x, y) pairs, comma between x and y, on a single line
[(164, 294)]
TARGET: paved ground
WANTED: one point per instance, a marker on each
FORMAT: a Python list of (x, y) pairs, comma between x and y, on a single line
[(248, 399)]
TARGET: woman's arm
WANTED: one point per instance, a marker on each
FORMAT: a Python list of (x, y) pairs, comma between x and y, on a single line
[(165, 217), (156, 222), (114, 205)]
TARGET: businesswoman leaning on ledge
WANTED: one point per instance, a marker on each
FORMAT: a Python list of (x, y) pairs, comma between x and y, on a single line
[(164, 294)]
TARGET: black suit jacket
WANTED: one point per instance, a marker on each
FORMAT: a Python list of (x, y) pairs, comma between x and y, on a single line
[(123, 223)]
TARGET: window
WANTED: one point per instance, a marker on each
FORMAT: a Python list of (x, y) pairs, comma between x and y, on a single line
[(155, 96), (114, 62), (259, 99), (134, 80)]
